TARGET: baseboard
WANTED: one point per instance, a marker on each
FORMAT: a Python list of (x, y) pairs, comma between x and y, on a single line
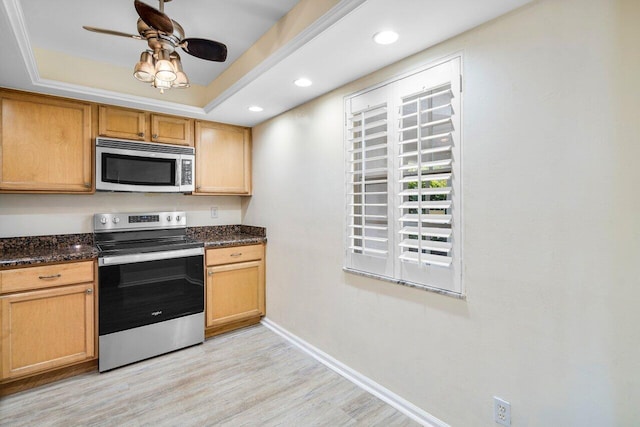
[(367, 384)]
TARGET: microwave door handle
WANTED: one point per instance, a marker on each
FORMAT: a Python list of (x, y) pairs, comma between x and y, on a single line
[(178, 172)]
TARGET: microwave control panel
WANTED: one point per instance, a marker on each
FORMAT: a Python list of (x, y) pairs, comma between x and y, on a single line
[(187, 172)]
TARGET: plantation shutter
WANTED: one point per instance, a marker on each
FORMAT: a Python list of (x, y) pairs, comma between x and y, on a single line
[(428, 158), (403, 175), (368, 182), (425, 171)]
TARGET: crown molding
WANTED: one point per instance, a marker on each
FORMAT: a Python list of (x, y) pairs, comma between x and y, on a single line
[(116, 98), (16, 20)]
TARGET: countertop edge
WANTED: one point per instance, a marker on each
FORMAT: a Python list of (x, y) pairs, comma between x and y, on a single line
[(19, 257)]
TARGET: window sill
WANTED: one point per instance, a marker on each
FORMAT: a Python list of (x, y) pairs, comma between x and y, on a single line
[(407, 284)]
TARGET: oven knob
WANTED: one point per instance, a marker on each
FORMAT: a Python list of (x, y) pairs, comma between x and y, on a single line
[(178, 218), (169, 218), (103, 220), (116, 220)]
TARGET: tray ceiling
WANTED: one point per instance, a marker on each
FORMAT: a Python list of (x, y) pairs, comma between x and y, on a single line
[(270, 44)]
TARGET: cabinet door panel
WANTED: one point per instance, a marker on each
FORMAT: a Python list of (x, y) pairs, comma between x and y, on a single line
[(234, 292), (223, 159), (121, 123), (46, 329), (171, 130), (45, 144)]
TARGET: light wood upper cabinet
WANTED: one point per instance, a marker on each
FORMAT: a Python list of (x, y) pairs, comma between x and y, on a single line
[(47, 327), (171, 130), (223, 159), (45, 144), (235, 285), (116, 122), (123, 123)]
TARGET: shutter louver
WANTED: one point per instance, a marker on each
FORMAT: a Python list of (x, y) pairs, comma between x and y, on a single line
[(368, 222), (425, 175)]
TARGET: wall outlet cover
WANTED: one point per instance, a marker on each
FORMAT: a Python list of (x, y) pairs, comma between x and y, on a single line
[(501, 411)]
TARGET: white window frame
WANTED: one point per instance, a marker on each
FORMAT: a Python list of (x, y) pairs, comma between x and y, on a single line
[(442, 272)]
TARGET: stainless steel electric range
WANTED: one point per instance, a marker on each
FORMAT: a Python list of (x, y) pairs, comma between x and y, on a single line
[(151, 286)]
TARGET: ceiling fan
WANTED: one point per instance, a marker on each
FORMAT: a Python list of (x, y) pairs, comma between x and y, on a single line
[(160, 64)]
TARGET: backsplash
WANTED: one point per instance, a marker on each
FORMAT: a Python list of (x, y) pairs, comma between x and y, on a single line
[(48, 214)]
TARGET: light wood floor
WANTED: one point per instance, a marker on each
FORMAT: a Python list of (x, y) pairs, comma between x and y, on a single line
[(249, 377)]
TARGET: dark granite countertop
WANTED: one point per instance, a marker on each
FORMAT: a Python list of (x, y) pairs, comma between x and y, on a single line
[(228, 235), (33, 250), (23, 251)]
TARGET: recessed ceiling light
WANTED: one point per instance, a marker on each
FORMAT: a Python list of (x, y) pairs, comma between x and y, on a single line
[(385, 37), (255, 108), (303, 82)]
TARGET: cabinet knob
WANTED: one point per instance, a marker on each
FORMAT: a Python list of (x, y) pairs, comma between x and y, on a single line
[(89, 291), (154, 136), (209, 273), (141, 134), (87, 185)]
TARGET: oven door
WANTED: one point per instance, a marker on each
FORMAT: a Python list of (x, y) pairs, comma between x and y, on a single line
[(142, 289)]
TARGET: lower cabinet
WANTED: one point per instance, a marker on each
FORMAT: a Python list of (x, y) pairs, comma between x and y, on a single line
[(51, 324), (235, 295)]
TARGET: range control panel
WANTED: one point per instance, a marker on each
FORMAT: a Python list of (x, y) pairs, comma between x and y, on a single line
[(138, 221)]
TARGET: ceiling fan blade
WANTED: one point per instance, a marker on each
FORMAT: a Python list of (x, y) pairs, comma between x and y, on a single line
[(112, 32), (205, 49), (153, 17)]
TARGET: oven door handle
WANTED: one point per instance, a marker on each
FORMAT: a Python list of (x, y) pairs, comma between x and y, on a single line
[(148, 256)]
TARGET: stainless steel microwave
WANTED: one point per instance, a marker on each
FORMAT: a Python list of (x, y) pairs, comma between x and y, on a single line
[(123, 165)]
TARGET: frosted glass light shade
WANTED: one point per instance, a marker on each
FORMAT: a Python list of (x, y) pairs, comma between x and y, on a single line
[(144, 69), (164, 68)]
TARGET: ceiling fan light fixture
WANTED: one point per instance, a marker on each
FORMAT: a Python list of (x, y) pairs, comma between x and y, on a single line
[(175, 61), (160, 65), (161, 84), (164, 69), (181, 81), (144, 69)]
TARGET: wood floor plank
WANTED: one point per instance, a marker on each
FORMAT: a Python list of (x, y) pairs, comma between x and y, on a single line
[(249, 377)]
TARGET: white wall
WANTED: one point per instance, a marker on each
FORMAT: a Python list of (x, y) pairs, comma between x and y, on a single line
[(551, 232), (40, 214)]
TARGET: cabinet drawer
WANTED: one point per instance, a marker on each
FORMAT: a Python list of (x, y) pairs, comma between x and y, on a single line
[(46, 276), (234, 254)]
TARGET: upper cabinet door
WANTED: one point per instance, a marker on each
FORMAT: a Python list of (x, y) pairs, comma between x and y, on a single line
[(45, 144), (171, 130), (117, 122), (223, 159)]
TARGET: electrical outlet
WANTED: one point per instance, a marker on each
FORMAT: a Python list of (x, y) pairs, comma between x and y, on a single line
[(214, 212), (501, 411)]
